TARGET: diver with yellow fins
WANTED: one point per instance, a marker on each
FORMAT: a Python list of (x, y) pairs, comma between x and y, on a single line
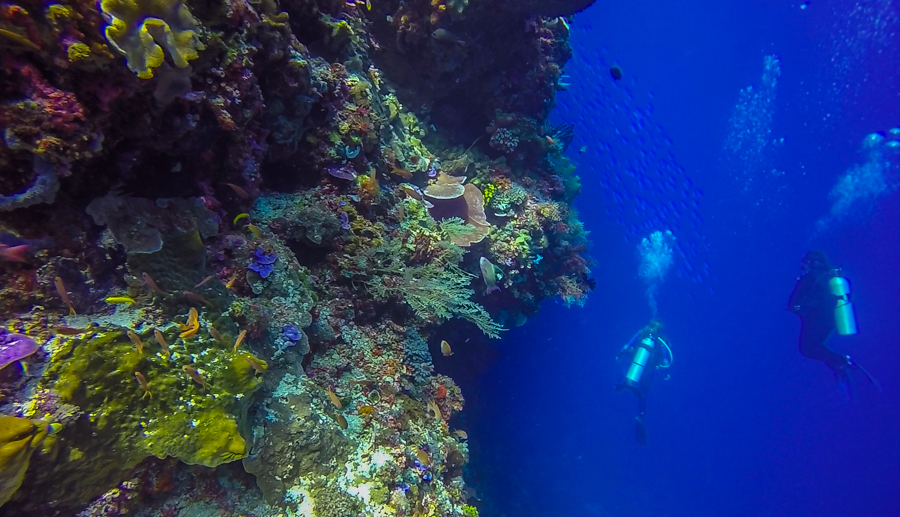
[(649, 352), (821, 298)]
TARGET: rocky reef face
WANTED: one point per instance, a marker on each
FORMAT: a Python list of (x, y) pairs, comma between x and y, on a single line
[(232, 232)]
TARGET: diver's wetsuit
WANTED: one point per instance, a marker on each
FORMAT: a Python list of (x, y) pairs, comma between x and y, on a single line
[(813, 302), (656, 359)]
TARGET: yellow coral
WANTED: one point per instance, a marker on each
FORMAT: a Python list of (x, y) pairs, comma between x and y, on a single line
[(19, 437), (143, 29), (78, 51), (58, 11)]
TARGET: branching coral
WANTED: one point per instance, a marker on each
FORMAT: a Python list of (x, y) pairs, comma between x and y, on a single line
[(438, 292)]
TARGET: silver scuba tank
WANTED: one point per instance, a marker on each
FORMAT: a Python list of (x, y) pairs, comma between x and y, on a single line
[(642, 354), (844, 319)]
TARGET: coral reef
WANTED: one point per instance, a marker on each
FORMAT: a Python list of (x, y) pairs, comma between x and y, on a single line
[(230, 232)]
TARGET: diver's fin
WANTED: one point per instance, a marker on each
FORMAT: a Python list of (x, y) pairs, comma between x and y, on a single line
[(873, 380), (640, 432)]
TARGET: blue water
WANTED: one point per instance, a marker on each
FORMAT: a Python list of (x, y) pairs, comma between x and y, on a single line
[(746, 426)]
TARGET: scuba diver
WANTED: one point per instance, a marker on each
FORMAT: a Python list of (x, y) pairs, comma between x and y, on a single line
[(649, 353), (821, 300)]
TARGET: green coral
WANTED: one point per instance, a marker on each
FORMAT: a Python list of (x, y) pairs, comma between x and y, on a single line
[(116, 423), (470, 511), (180, 418), (143, 29), (507, 200)]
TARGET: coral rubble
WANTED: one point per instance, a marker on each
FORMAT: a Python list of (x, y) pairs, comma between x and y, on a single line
[(230, 230)]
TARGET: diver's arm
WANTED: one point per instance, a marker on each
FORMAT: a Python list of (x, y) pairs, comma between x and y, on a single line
[(628, 346)]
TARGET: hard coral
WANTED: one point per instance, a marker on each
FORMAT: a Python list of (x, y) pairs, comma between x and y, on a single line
[(142, 29)]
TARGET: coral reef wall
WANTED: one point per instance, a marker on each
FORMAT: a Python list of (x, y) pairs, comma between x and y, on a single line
[(232, 232)]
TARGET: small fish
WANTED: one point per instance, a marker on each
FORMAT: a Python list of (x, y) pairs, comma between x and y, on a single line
[(193, 324), (255, 230), (14, 253), (491, 274), (239, 217), (616, 72), (148, 281), (161, 339), (119, 299), (137, 341), (239, 340), (582, 149), (193, 317), (204, 281), (445, 349), (194, 297), (231, 281), (68, 331), (411, 191), (334, 399), (435, 410), (257, 364), (403, 173), (447, 37), (143, 382), (462, 435), (423, 458), (215, 333), (194, 374), (341, 420), (239, 191), (61, 289)]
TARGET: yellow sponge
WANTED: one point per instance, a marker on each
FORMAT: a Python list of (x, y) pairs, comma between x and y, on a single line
[(144, 29)]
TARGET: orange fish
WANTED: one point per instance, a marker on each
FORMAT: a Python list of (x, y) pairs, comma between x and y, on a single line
[(137, 341), (204, 281), (257, 364), (231, 281), (61, 289), (148, 281), (194, 297), (194, 374), (143, 382), (403, 173), (445, 349), (239, 191), (193, 324), (334, 399), (161, 339), (341, 420), (68, 331), (239, 340), (215, 333)]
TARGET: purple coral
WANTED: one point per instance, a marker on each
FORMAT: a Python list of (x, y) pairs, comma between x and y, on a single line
[(290, 333), (263, 263), (345, 221), (14, 347)]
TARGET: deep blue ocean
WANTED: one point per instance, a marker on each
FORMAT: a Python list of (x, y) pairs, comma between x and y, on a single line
[(754, 132)]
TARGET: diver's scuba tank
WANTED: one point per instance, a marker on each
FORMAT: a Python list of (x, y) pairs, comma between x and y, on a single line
[(642, 354), (844, 319)]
